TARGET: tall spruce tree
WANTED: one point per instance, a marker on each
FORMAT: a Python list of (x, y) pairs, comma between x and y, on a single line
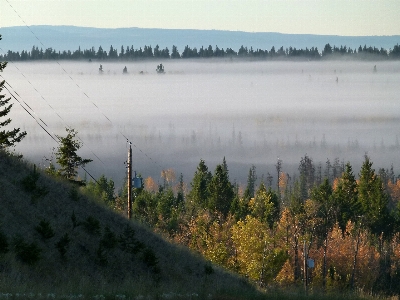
[(220, 191), (251, 182), (307, 177), (347, 207), (198, 195), (8, 138), (374, 200)]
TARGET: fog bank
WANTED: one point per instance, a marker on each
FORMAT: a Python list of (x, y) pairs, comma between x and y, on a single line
[(249, 112)]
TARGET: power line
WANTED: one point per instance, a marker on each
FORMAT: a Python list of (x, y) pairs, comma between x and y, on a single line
[(31, 114), (87, 97), (83, 92), (56, 140), (47, 104)]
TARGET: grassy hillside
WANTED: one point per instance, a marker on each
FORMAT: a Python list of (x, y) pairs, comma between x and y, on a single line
[(53, 240), (55, 243)]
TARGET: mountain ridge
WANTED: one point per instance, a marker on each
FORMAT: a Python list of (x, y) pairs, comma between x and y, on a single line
[(60, 38)]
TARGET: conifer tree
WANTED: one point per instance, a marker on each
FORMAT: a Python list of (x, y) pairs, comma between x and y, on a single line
[(374, 200), (221, 191), (251, 182), (67, 157), (8, 138), (347, 207), (199, 193), (307, 176)]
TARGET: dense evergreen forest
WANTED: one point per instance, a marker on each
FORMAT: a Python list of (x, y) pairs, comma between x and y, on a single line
[(346, 226), (129, 53)]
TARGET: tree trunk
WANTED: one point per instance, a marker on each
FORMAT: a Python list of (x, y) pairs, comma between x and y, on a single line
[(324, 263), (305, 267), (297, 271), (355, 259)]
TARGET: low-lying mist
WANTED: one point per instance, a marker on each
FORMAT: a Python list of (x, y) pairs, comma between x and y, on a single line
[(248, 112)]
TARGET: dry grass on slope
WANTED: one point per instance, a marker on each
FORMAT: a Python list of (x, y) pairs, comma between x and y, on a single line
[(55, 240)]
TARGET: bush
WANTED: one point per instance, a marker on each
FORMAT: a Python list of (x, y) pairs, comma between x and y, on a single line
[(74, 220), (73, 194), (29, 184), (3, 243), (92, 225), (149, 258), (128, 241), (45, 230), (208, 269), (101, 256), (109, 240), (28, 253), (62, 245)]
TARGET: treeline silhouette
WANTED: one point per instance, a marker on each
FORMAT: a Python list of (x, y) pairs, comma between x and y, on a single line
[(129, 53)]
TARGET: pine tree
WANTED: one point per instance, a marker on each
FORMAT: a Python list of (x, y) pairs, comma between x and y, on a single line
[(180, 197), (198, 195), (251, 181), (346, 199), (220, 191), (307, 176), (374, 200), (8, 138), (67, 158)]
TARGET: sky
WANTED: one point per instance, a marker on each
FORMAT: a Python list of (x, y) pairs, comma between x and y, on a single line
[(321, 17)]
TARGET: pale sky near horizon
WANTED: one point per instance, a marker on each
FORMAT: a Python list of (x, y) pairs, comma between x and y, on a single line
[(321, 17)]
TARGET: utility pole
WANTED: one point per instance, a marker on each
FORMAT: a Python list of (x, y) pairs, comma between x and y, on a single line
[(130, 181), (305, 266)]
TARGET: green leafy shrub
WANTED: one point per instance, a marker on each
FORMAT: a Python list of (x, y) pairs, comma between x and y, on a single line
[(92, 225), (62, 245), (28, 253), (45, 230)]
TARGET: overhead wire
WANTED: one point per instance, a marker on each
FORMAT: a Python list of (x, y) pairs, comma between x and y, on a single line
[(83, 92), (52, 108), (15, 98), (32, 115)]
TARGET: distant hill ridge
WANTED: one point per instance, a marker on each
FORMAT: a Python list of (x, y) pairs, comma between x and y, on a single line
[(61, 38)]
